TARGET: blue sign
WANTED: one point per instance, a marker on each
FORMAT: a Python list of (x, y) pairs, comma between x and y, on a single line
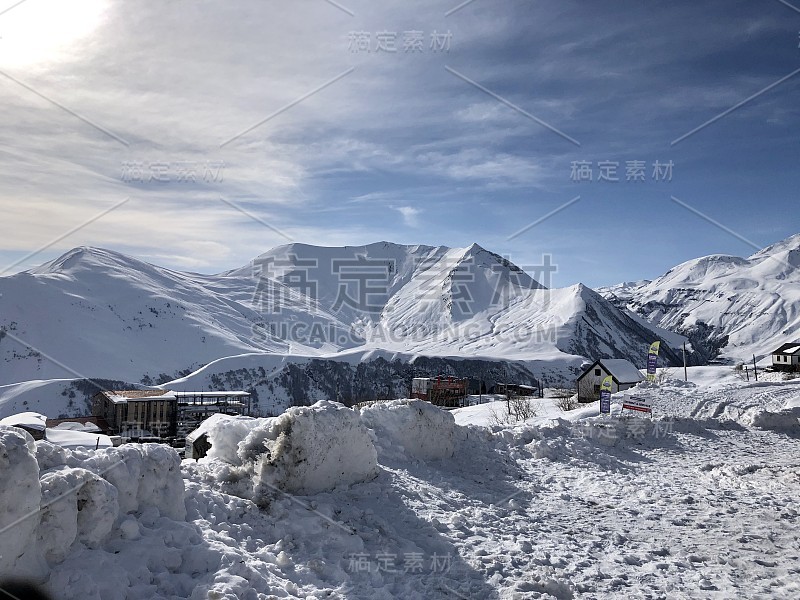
[(605, 402), (652, 363)]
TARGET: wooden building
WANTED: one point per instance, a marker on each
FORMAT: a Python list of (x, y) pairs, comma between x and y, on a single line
[(624, 375), (787, 357)]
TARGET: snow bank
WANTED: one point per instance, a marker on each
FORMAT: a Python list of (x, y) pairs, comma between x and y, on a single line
[(53, 497), (20, 495), (412, 428), (304, 451)]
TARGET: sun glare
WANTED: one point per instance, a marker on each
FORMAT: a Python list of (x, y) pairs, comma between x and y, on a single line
[(42, 31)]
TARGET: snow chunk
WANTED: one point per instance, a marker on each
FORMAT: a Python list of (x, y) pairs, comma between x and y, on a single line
[(76, 504), (309, 449), (20, 494), (413, 428), (224, 434), (306, 450)]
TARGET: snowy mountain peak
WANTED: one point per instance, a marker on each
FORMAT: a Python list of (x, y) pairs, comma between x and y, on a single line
[(89, 258), (790, 244)]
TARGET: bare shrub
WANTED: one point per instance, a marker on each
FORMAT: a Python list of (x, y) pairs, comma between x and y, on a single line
[(567, 403), (516, 410)]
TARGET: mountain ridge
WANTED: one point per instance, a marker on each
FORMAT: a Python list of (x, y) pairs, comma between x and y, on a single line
[(105, 314)]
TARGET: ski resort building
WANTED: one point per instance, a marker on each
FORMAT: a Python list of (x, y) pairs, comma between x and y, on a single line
[(787, 357), (624, 375), (447, 392), (164, 413)]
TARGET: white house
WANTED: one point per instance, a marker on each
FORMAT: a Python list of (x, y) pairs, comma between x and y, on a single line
[(624, 375), (787, 357)]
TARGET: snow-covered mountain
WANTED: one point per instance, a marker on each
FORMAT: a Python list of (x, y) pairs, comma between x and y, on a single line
[(729, 305), (98, 313)]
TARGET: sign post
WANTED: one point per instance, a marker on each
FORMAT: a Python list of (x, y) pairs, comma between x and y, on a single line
[(605, 396)]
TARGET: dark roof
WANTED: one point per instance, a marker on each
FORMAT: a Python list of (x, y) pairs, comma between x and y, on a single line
[(620, 369), (789, 346)]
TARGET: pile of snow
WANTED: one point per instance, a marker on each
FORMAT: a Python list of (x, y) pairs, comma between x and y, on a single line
[(306, 450), (412, 428), (62, 498)]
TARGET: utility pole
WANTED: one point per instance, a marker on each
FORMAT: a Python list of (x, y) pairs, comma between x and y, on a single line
[(685, 372), (755, 368)]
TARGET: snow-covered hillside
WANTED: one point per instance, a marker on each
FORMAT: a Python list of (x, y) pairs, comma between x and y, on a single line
[(100, 314), (737, 306)]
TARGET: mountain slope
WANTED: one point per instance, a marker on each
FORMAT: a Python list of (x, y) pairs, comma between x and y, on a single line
[(726, 305), (102, 314)]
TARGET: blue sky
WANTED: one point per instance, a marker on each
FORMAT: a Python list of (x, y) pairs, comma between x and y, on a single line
[(105, 101)]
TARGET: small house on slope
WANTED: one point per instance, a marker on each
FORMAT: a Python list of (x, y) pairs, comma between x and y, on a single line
[(624, 375), (787, 357)]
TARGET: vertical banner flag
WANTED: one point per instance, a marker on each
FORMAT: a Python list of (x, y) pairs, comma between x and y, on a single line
[(605, 396), (652, 361)]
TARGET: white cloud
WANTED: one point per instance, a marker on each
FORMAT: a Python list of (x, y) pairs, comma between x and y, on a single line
[(410, 215)]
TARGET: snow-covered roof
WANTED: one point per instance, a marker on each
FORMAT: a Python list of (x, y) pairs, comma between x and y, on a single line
[(29, 420), (74, 439), (623, 370), (790, 348), (124, 396), (220, 394), (73, 426)]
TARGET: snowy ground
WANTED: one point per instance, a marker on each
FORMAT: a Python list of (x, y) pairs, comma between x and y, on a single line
[(699, 502)]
